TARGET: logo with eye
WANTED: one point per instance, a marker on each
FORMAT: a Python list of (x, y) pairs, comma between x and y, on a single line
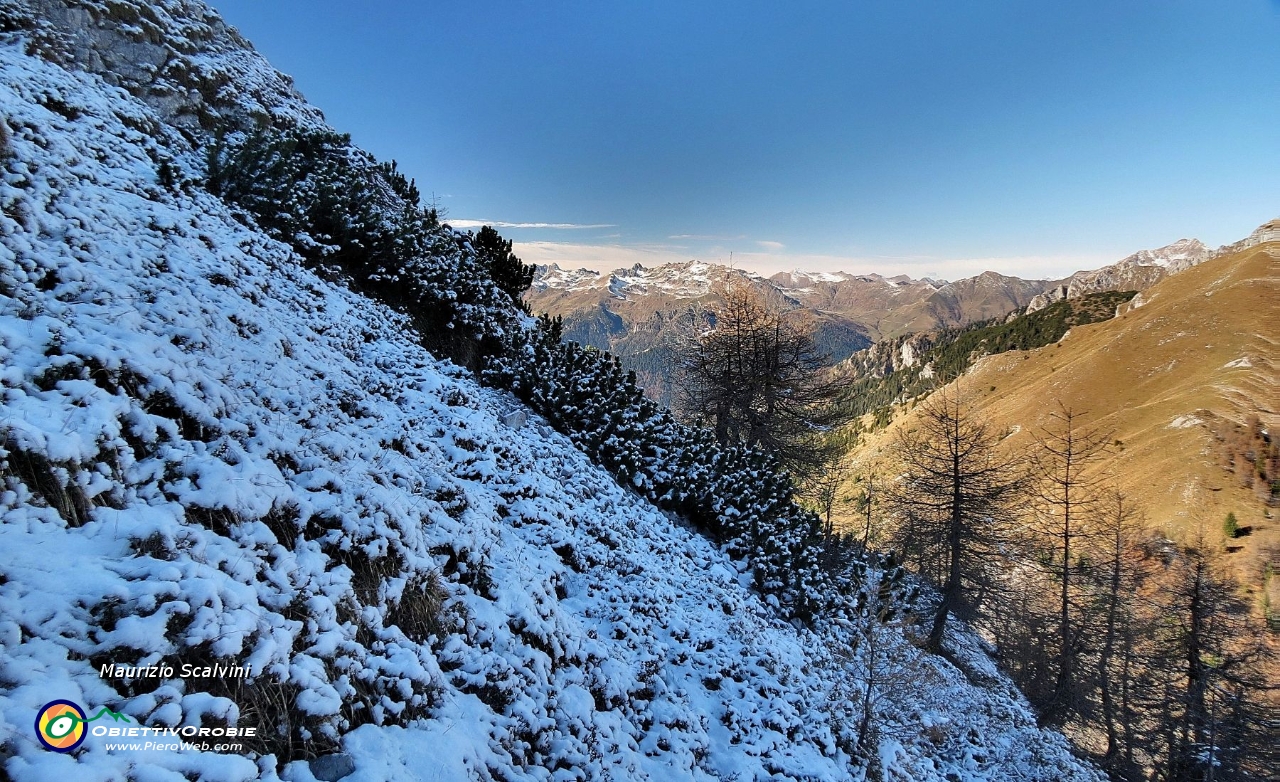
[(60, 725)]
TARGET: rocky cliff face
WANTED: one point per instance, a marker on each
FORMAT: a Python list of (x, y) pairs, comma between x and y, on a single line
[(1267, 232), (888, 356), (1136, 272), (177, 57)]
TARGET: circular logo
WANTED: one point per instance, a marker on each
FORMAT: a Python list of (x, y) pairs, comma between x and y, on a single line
[(60, 726)]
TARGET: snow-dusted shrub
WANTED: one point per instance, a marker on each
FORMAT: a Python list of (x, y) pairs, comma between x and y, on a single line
[(346, 213), (337, 206), (739, 496), (502, 265)]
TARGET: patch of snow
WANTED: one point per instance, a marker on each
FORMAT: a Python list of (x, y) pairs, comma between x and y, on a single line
[(555, 278)]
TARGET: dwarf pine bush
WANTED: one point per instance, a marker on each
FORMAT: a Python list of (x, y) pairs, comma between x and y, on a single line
[(1231, 527), (739, 496), (344, 212)]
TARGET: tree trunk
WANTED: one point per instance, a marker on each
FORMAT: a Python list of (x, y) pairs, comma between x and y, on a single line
[(955, 541), (1126, 705), (1108, 646), (866, 533)]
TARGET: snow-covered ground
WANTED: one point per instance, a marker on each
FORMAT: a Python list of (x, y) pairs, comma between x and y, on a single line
[(210, 454)]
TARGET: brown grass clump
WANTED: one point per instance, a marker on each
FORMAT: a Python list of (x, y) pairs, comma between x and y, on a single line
[(420, 611)]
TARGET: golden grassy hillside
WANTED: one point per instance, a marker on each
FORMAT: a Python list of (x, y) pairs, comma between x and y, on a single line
[(1202, 346)]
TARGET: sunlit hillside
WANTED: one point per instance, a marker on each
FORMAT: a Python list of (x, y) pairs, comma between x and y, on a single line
[(1197, 349)]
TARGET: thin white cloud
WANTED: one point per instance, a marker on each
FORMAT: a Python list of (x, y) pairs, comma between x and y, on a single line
[(771, 245), (707, 237), (504, 224)]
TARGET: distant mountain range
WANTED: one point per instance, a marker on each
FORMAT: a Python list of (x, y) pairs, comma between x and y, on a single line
[(631, 312)]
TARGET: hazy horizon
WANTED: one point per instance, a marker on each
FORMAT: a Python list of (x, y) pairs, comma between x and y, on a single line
[(606, 258)]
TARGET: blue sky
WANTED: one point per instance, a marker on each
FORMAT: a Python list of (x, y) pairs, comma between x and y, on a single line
[(901, 137)]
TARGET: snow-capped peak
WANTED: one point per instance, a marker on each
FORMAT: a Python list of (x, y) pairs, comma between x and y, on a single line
[(1177, 256)]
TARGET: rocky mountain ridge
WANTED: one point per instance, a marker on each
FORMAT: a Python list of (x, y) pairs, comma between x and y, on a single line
[(1135, 272), (630, 311), (1145, 268), (878, 306)]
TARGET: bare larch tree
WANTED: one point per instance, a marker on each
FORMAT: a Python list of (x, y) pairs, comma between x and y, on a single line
[(955, 501), (1066, 500), (752, 372)]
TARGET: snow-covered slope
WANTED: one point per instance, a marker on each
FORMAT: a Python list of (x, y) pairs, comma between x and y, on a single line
[(211, 456)]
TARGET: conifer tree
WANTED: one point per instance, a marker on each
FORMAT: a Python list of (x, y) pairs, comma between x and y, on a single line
[(955, 501), (1066, 500), (756, 377), (506, 270)]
